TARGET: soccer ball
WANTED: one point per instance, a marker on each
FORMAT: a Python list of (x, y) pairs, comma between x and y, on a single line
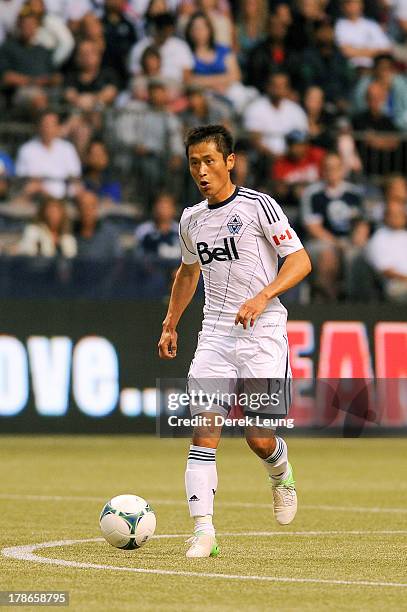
[(127, 521)]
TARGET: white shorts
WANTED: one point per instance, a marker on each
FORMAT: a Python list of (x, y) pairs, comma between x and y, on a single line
[(231, 365)]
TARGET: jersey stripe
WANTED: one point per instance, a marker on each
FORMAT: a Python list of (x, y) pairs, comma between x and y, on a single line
[(270, 201), (273, 216), (266, 199), (256, 199)]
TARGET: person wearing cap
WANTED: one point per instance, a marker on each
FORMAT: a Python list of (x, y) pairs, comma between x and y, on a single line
[(298, 167)]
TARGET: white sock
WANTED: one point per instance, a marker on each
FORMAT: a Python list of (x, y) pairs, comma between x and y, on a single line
[(203, 524), (201, 481), (277, 463)]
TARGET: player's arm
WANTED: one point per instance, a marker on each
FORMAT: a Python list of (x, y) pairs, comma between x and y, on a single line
[(183, 289), (295, 268), (297, 265)]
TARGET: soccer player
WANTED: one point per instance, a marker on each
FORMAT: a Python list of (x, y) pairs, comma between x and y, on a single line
[(234, 237)]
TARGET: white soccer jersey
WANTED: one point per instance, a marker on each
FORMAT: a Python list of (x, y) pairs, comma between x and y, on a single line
[(237, 243)]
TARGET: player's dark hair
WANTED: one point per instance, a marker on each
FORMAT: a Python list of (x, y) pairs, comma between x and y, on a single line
[(211, 133)]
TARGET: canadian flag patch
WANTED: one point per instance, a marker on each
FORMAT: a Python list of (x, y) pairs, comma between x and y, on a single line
[(281, 237)]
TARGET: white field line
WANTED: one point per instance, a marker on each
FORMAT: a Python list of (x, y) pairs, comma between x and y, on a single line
[(176, 502), (26, 553)]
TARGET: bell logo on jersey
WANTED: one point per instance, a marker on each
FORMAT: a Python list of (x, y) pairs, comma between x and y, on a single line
[(226, 253), (281, 237)]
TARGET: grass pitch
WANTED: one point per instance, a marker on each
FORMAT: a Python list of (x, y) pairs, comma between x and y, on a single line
[(350, 530)]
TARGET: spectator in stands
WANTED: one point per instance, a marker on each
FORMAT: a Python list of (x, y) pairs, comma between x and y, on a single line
[(159, 237), (97, 175), (395, 86), (379, 139), (320, 117), (7, 171), (323, 65), (9, 10), (25, 66), (270, 118), (150, 137), (298, 167), (90, 85), (91, 28), (250, 30), (215, 66), (156, 7), (330, 210), (50, 235), (176, 56), (360, 39), (396, 188), (88, 89), (120, 37), (203, 109), (219, 17), (48, 157), (150, 69), (52, 34), (387, 249), (269, 56), (307, 16), (96, 239)]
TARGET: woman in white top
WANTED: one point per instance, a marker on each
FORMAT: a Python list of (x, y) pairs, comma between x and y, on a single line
[(50, 235)]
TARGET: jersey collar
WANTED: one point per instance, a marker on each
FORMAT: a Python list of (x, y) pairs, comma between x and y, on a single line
[(224, 202)]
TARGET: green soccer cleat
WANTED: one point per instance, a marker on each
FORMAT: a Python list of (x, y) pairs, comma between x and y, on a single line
[(202, 545), (284, 499)]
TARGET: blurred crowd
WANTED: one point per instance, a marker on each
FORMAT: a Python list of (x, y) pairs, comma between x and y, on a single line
[(96, 96)]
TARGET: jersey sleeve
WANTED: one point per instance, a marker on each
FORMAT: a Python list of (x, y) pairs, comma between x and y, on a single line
[(276, 227), (189, 255)]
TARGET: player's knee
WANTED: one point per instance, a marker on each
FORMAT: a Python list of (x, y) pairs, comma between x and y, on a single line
[(262, 446), (211, 441)]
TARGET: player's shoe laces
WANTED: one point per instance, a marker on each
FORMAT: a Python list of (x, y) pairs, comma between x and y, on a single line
[(202, 545), (285, 499)]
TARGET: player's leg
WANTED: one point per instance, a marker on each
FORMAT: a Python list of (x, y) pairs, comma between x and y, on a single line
[(201, 483), (273, 452), (212, 375), (267, 371)]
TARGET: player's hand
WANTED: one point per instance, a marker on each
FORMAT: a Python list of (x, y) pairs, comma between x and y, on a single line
[(167, 346), (250, 310)]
